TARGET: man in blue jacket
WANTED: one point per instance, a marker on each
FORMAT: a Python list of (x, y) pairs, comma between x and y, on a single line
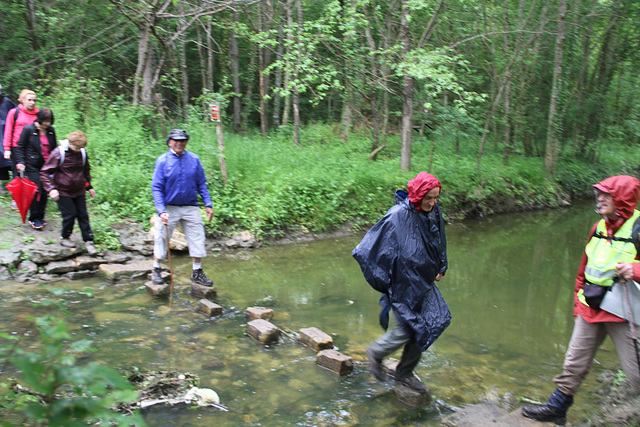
[(403, 256), (178, 179)]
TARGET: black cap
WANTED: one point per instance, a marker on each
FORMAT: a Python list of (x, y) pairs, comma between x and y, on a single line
[(178, 134)]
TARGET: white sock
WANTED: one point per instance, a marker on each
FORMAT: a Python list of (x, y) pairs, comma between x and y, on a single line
[(197, 265), (156, 264)]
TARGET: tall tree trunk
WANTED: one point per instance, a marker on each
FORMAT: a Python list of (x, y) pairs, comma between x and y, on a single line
[(202, 55), (30, 18), (234, 59), (551, 153), (183, 63), (249, 102), (211, 56), (144, 70), (373, 92), (296, 90), (261, 68), (277, 100), (287, 68), (407, 91), (346, 120), (507, 90)]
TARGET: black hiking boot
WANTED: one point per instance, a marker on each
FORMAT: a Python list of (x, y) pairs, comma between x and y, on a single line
[(375, 366), (156, 276), (413, 383), (545, 413), (200, 278)]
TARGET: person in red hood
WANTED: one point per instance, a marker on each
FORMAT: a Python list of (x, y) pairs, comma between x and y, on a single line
[(610, 255), (403, 256)]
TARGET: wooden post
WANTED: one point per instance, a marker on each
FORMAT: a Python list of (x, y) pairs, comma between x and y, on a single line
[(214, 114)]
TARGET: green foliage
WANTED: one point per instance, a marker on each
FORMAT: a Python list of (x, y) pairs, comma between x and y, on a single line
[(275, 187), (55, 389)]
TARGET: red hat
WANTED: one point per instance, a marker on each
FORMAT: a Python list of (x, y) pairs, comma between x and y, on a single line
[(420, 185)]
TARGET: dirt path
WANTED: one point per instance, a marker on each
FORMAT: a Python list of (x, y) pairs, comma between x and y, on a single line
[(15, 234)]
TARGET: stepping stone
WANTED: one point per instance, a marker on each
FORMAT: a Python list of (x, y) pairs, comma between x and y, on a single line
[(207, 292), (209, 308), (412, 397), (335, 361), (258, 313), (158, 290), (132, 270), (315, 338), (263, 331)]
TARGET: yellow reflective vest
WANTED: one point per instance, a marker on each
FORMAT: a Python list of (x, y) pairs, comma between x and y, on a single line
[(604, 252)]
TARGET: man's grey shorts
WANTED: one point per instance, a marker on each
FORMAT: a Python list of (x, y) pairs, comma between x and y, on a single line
[(192, 224)]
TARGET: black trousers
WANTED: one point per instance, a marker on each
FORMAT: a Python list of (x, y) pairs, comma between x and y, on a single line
[(39, 204), (72, 208)]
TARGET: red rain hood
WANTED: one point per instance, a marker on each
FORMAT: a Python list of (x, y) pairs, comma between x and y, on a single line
[(625, 191), (421, 185)]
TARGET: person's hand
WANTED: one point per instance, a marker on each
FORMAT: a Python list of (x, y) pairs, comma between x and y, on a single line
[(7, 154), (624, 270), (164, 217), (438, 277), (209, 213), (92, 193), (54, 194), (20, 167)]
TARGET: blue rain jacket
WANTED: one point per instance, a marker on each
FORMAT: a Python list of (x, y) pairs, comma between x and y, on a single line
[(177, 180), (401, 256)]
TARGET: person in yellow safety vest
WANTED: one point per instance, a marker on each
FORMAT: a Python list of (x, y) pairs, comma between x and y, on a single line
[(609, 255)]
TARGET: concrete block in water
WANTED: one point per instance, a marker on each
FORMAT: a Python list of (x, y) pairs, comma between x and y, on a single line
[(207, 292), (263, 331), (335, 361), (158, 290), (209, 308), (258, 313), (315, 338)]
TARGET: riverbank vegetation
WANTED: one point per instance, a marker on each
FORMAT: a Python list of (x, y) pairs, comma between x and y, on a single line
[(328, 107), (276, 187)]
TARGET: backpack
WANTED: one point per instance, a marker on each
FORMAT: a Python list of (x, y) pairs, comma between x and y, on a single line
[(63, 146)]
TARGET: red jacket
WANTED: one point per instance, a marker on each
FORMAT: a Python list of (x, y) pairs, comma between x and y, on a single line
[(624, 191)]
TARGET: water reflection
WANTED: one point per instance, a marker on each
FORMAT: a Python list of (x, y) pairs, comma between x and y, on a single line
[(509, 288)]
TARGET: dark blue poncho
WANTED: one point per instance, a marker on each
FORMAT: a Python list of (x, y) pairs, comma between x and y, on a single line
[(401, 256)]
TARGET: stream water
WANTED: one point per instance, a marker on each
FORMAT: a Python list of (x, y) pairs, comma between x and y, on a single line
[(509, 288)]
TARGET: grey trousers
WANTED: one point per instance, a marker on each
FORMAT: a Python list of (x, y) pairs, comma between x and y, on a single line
[(585, 341), (392, 340)]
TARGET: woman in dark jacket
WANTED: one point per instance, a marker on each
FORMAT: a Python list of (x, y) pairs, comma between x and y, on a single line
[(403, 256), (36, 142)]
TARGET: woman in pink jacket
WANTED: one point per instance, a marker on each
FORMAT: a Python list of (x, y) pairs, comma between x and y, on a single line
[(17, 118)]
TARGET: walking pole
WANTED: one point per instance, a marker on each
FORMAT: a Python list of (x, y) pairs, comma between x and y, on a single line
[(166, 228), (632, 324)]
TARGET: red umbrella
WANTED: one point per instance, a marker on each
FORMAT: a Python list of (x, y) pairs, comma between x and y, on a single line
[(22, 190)]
